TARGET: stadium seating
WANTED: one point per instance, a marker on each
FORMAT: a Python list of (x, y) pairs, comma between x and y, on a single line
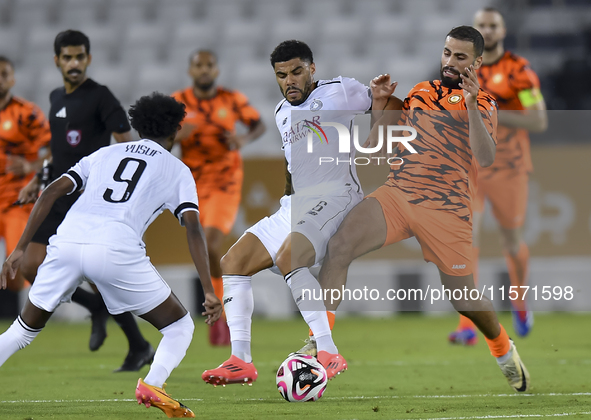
[(136, 42)]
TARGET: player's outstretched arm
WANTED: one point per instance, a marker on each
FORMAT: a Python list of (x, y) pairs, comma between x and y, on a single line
[(482, 145), (55, 190), (198, 250)]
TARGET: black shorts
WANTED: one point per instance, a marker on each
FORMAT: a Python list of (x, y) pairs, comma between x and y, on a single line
[(55, 217)]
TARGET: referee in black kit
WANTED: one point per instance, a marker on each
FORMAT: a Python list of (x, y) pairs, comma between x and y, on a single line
[(82, 117)]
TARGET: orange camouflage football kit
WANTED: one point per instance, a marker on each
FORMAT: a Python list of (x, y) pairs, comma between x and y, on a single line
[(216, 168), (23, 131), (514, 86), (430, 194)]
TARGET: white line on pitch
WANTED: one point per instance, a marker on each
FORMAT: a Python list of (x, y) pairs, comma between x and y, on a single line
[(511, 416), (550, 394)]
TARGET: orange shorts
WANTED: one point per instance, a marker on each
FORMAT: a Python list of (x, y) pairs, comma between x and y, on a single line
[(445, 239), (507, 193), (12, 224)]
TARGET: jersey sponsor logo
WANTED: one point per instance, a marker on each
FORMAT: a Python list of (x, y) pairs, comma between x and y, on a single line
[(318, 130), (454, 99), (458, 266), (73, 137), (316, 105), (7, 125), (61, 113)]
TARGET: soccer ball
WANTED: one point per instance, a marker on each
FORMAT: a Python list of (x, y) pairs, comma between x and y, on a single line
[(301, 378)]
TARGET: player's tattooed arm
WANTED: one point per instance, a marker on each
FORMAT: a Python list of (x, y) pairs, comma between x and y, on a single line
[(288, 187), (55, 190), (482, 145)]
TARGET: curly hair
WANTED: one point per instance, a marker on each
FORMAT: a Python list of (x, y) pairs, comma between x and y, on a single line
[(156, 116), (288, 50)]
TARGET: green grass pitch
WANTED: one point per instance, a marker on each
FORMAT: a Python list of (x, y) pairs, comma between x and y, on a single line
[(399, 368)]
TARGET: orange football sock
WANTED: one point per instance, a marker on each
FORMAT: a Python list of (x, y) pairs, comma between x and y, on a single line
[(218, 287), (465, 323), (499, 346), (331, 318), (518, 266)]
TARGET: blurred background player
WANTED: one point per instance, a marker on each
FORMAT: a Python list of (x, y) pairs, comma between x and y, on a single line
[(24, 131), (107, 248), (516, 88), (210, 148), (83, 115)]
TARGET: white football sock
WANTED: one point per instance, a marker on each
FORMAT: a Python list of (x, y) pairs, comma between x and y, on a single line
[(18, 336), (501, 360), (239, 305), (176, 339), (313, 311)]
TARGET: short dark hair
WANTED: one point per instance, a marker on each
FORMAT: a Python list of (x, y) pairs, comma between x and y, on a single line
[(70, 38), (288, 50), (4, 59), (468, 33), (156, 116), (204, 51)]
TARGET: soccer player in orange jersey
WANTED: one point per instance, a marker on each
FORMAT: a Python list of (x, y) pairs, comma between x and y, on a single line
[(516, 89), (210, 147), (429, 195), (23, 132)]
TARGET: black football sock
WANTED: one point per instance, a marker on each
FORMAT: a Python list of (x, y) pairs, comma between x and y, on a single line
[(136, 340)]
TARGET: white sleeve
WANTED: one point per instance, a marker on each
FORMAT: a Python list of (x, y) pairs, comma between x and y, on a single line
[(358, 95), (184, 197), (80, 172)]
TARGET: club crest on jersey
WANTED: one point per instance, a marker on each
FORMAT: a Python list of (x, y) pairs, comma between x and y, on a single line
[(73, 137), (316, 105), (454, 99), (222, 113), (497, 78), (7, 125)]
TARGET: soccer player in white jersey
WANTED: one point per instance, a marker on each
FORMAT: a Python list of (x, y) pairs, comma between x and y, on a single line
[(323, 195), (126, 186)]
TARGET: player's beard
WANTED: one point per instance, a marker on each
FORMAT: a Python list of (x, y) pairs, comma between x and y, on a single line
[(205, 86), (447, 82), (305, 93)]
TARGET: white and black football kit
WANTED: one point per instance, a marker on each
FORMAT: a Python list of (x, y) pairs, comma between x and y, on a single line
[(323, 193), (126, 186)]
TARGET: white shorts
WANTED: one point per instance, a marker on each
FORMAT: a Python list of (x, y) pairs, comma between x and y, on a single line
[(315, 217), (126, 279)]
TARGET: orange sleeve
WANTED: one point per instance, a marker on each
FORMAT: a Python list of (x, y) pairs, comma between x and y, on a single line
[(36, 128), (246, 112), (489, 108), (523, 77)]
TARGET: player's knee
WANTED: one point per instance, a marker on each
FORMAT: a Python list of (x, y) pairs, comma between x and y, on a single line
[(283, 261), (233, 263), (340, 250)]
